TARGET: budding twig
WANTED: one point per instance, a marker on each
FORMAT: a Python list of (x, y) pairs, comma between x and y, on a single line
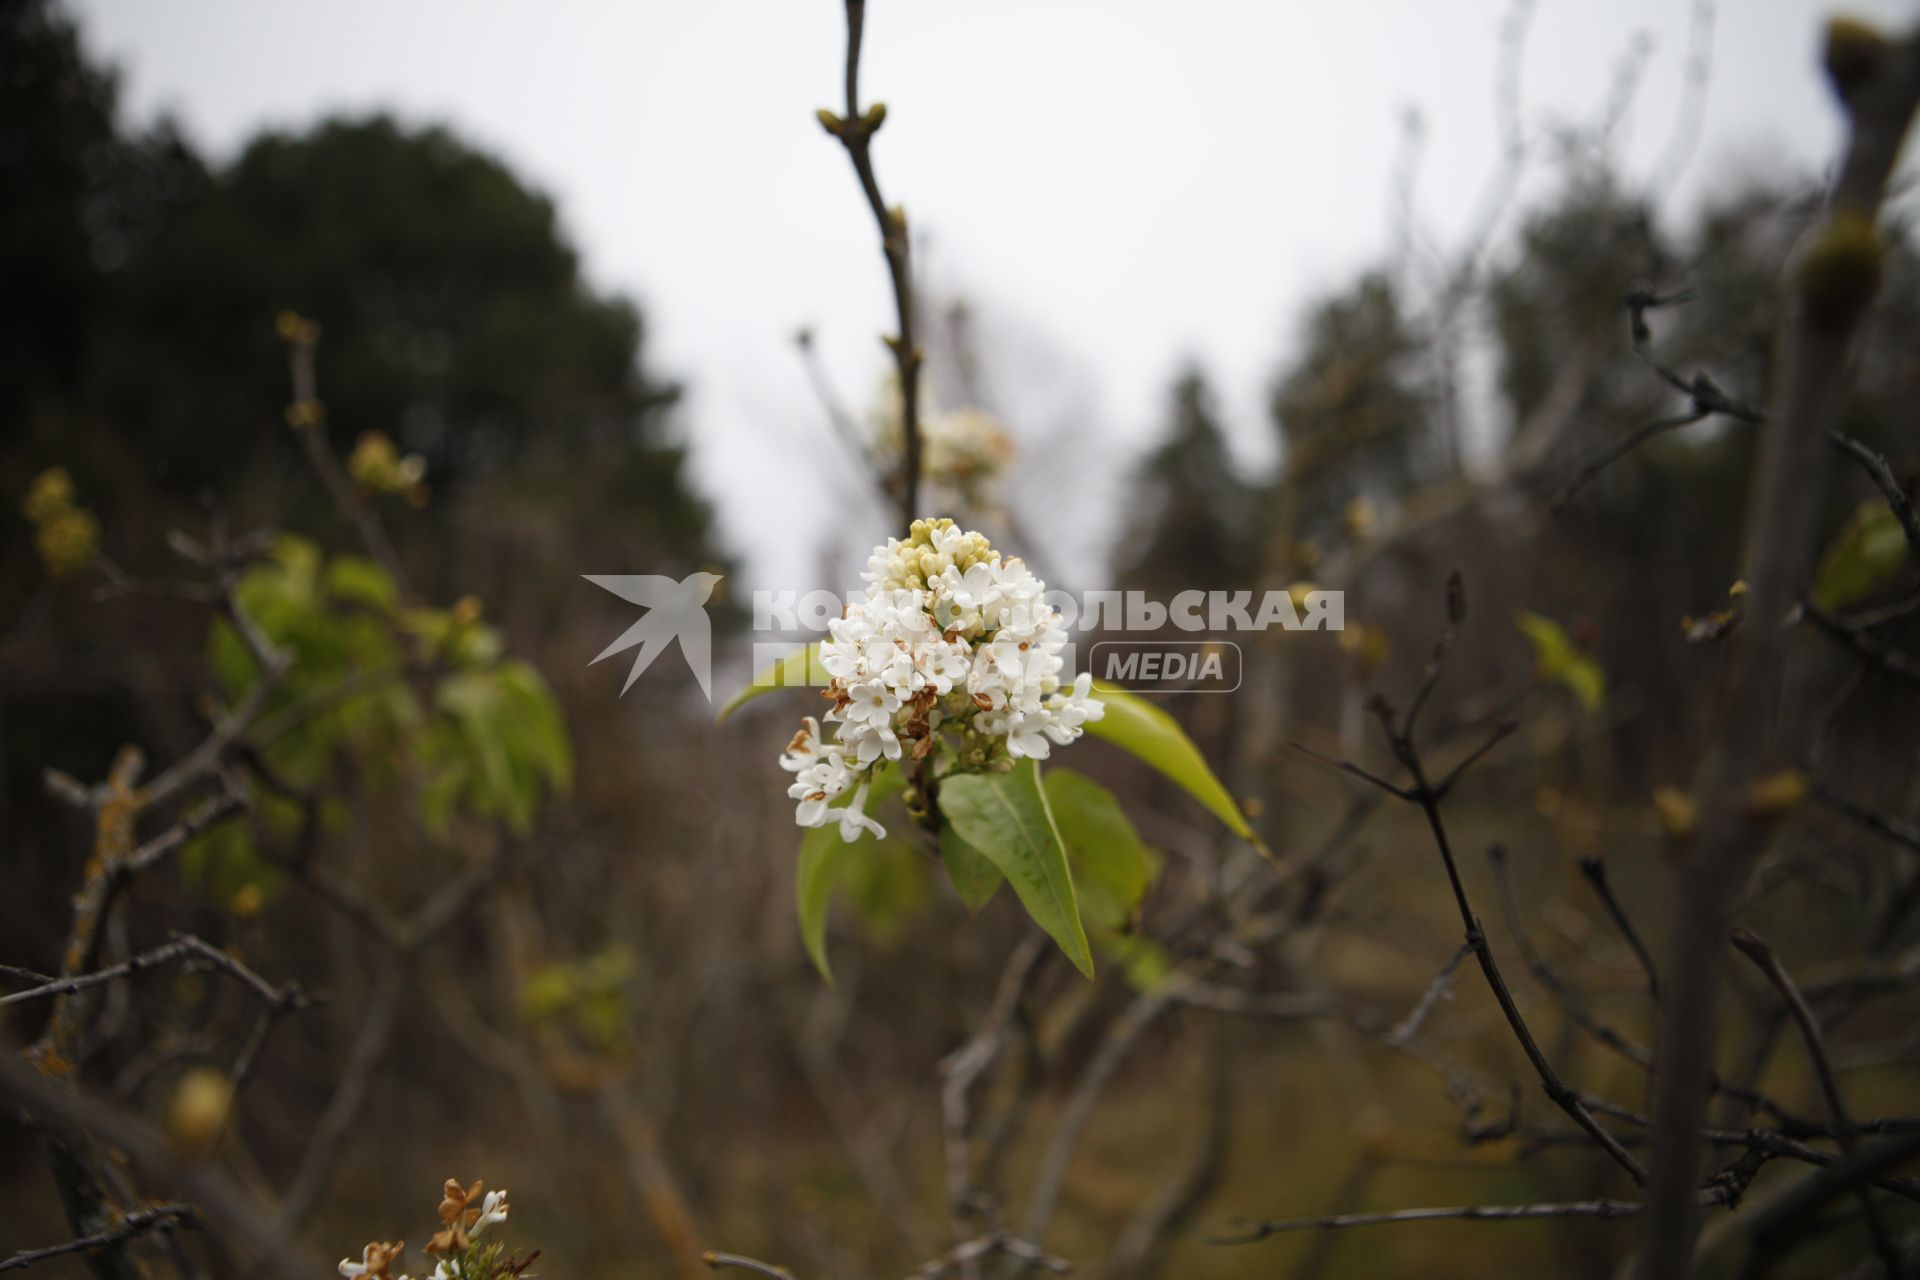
[(855, 132)]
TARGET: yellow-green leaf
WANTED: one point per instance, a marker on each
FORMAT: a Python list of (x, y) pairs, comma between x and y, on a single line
[(796, 669), (1137, 726), (1866, 553), (824, 858), (1557, 658)]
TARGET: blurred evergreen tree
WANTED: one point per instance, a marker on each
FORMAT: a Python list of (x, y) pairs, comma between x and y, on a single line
[(1353, 410), (1195, 520), (137, 329)]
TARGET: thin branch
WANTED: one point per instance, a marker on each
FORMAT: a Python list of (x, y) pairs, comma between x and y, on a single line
[(1595, 872), (1563, 994), (1904, 834), (1889, 484), (183, 946), (1441, 987), (855, 132), (1461, 1213), (1854, 637), (309, 421), (158, 1218), (1587, 471), (971, 1252), (1118, 1041), (1756, 949), (344, 1107), (740, 1262), (960, 1069)]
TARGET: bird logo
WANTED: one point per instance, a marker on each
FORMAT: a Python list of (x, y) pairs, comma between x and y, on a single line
[(675, 611)]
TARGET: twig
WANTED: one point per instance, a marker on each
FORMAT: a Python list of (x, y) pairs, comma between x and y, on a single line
[(344, 1106), (740, 1262), (855, 132), (1118, 1041), (964, 1255), (1755, 949), (310, 424), (157, 1218), (1440, 987), (183, 946), (960, 1069), (1889, 484), (1904, 834), (1468, 1213), (1595, 872), (1543, 973)]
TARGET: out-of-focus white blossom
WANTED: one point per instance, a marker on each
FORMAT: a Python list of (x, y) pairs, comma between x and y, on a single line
[(953, 656)]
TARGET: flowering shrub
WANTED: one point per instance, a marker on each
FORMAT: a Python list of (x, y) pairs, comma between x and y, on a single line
[(953, 650), (457, 1249), (949, 688)]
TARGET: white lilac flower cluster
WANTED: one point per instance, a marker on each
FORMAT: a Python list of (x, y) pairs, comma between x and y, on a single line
[(963, 449), (952, 644)]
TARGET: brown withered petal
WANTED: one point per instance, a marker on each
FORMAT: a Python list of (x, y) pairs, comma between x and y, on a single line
[(454, 1199), (451, 1240)]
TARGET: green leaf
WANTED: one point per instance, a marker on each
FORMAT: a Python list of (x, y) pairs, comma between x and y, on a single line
[(1143, 962), (796, 669), (1112, 867), (886, 883), (1866, 553), (1137, 726), (824, 858), (1558, 658), (976, 879), (1005, 817), (358, 580)]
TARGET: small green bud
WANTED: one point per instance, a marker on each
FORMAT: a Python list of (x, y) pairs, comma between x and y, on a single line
[(832, 123), (1841, 272), (875, 117)]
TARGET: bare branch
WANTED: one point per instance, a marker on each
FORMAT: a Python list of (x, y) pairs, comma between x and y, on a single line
[(158, 1218), (1755, 949), (1595, 872), (1466, 1213), (1889, 484), (855, 132), (740, 1262)]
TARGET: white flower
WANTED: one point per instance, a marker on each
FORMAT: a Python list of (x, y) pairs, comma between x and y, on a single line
[(493, 1209), (954, 653), (1027, 735), (872, 705), (854, 819)]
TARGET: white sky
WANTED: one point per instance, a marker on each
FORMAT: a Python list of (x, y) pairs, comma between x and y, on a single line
[(1118, 185)]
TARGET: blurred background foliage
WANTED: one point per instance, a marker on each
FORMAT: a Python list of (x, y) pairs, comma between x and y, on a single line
[(631, 1018)]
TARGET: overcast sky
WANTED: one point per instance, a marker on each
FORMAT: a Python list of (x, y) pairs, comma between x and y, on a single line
[(1119, 185)]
